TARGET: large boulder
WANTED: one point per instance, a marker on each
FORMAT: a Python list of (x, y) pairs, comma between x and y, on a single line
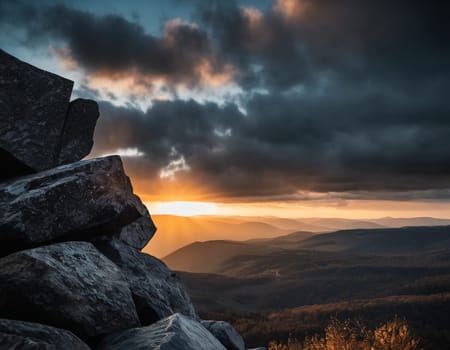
[(225, 333), (33, 107), (78, 133), (19, 335), (176, 332), (138, 233), (38, 128), (69, 285), (157, 291), (71, 202)]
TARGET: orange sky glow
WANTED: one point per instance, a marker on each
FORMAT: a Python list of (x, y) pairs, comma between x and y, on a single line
[(188, 197), (354, 209)]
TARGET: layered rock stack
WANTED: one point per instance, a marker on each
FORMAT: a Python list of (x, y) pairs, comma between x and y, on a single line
[(72, 274)]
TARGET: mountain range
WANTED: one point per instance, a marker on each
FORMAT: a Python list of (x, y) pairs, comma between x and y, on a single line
[(175, 232), (292, 284)]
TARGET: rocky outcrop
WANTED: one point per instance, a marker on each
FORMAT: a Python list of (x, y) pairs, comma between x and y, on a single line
[(33, 107), (71, 234), (19, 335), (176, 332), (71, 202), (138, 233), (226, 334), (157, 291), (76, 139), (36, 131), (69, 285)]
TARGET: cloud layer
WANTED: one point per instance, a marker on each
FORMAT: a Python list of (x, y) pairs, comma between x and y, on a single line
[(346, 96)]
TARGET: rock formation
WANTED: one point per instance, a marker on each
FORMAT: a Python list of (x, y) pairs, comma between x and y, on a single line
[(72, 273), (71, 202), (226, 334), (38, 130), (157, 291), (19, 335), (175, 332), (71, 285), (76, 139)]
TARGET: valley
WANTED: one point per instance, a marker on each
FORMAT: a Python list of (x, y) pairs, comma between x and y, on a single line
[(292, 284)]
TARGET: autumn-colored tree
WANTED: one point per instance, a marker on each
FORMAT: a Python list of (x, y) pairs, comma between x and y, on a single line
[(350, 335), (394, 335)]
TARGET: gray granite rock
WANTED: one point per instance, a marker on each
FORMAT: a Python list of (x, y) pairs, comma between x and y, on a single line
[(69, 285), (19, 335), (39, 128), (157, 291), (226, 334), (176, 332), (138, 233), (33, 107), (77, 136), (70, 202)]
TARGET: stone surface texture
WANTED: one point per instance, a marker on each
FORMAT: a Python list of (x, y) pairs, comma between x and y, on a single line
[(19, 335), (33, 107), (157, 291), (138, 233), (69, 285), (226, 334), (70, 202), (78, 133), (39, 128), (176, 332)]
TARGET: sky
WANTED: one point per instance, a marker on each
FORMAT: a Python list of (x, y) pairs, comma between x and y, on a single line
[(273, 107)]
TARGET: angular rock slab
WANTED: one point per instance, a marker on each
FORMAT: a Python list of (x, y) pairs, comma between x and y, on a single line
[(19, 335), (157, 291), (77, 138), (226, 334), (138, 233), (176, 332), (33, 106), (69, 285), (70, 202)]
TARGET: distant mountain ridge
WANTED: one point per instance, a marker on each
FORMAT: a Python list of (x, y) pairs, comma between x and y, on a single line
[(175, 232), (418, 221), (403, 240), (213, 256), (285, 241), (261, 275), (293, 283)]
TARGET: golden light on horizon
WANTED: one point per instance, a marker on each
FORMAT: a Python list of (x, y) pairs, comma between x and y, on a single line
[(352, 209), (184, 208)]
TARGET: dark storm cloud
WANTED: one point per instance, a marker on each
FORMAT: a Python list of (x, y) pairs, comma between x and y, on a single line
[(357, 95), (110, 44), (284, 144), (398, 41)]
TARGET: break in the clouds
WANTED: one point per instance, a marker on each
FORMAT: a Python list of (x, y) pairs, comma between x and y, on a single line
[(348, 97)]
